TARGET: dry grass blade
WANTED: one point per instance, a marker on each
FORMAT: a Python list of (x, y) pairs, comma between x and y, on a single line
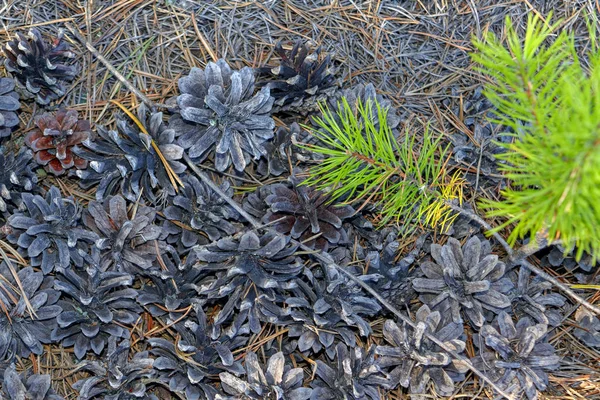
[(8, 262)]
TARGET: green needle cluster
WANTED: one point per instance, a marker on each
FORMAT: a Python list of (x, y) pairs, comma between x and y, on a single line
[(550, 98), (363, 162)]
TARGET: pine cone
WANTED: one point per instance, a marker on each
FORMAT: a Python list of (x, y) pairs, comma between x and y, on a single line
[(118, 377), (36, 66), (249, 273), (394, 281), (533, 296), (126, 244), (273, 382), (306, 212), (588, 328), (22, 333), (48, 231), (189, 365), (516, 357), (301, 79), (16, 176), (231, 120), (100, 305), (284, 149), (9, 103), (173, 286), (128, 158), (198, 207), (54, 139), (470, 279), (14, 386), (351, 376), (414, 361)]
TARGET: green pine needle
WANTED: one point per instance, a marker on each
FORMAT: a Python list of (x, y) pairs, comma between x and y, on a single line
[(363, 162), (543, 92)]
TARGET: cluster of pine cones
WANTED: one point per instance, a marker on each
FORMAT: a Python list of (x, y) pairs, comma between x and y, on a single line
[(159, 285)]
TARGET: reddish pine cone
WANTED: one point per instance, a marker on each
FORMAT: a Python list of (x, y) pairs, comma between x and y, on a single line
[(55, 138)]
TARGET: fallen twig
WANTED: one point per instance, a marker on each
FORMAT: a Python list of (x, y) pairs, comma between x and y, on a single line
[(110, 67)]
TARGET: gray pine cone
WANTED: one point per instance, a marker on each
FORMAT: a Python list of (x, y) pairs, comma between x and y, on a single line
[(21, 332), (249, 274), (516, 356), (414, 361), (188, 366), (126, 158), (48, 231), (23, 386), (199, 208), (119, 378), (16, 177), (232, 122), (352, 376), (588, 329), (468, 279), (9, 103), (126, 245), (365, 94), (275, 382), (532, 296), (100, 305)]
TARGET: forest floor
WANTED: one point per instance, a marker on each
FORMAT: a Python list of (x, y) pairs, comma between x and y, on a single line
[(414, 52)]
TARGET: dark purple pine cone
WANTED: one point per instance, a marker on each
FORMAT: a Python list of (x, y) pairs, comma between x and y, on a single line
[(205, 215), (38, 67), (301, 79), (54, 139), (304, 212)]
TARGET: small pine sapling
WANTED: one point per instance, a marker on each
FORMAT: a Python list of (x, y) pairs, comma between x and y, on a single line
[(550, 99)]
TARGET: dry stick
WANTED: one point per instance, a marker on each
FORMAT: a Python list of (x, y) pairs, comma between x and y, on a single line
[(518, 258), (110, 67), (330, 263)]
